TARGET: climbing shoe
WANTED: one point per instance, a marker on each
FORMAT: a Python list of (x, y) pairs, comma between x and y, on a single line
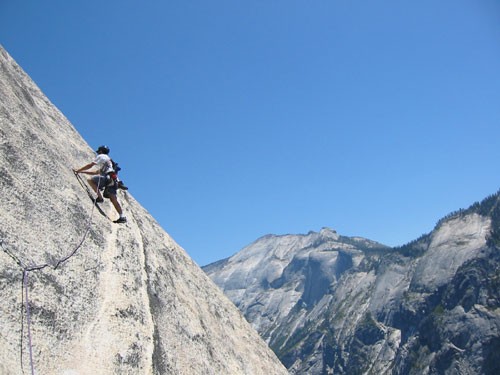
[(99, 200), (122, 219)]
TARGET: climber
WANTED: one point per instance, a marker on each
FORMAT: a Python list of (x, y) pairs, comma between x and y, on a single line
[(105, 179)]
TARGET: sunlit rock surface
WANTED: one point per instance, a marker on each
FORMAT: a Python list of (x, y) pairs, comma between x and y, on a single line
[(129, 300)]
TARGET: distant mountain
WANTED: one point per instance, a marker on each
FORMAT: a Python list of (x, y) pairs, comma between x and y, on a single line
[(329, 304), (101, 298)]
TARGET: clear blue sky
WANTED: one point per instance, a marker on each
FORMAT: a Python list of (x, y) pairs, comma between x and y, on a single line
[(235, 119)]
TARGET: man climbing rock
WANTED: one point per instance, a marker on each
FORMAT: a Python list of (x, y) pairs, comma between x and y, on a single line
[(105, 178)]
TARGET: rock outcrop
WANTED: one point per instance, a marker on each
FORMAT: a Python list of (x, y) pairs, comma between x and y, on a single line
[(103, 298), (329, 304)]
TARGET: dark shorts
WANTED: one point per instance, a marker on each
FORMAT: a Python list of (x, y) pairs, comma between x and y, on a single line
[(105, 182)]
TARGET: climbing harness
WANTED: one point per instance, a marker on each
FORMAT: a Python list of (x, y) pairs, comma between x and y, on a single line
[(25, 303)]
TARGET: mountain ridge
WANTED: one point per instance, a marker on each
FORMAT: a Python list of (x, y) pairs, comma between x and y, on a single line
[(388, 311)]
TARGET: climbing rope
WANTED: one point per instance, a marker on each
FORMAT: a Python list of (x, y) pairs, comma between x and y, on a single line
[(25, 302), (28, 320), (87, 230)]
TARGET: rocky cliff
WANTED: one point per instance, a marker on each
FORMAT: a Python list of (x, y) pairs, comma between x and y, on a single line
[(329, 304), (82, 295)]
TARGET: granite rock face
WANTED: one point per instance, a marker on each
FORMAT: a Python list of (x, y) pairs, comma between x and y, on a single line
[(103, 298), (329, 304)]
